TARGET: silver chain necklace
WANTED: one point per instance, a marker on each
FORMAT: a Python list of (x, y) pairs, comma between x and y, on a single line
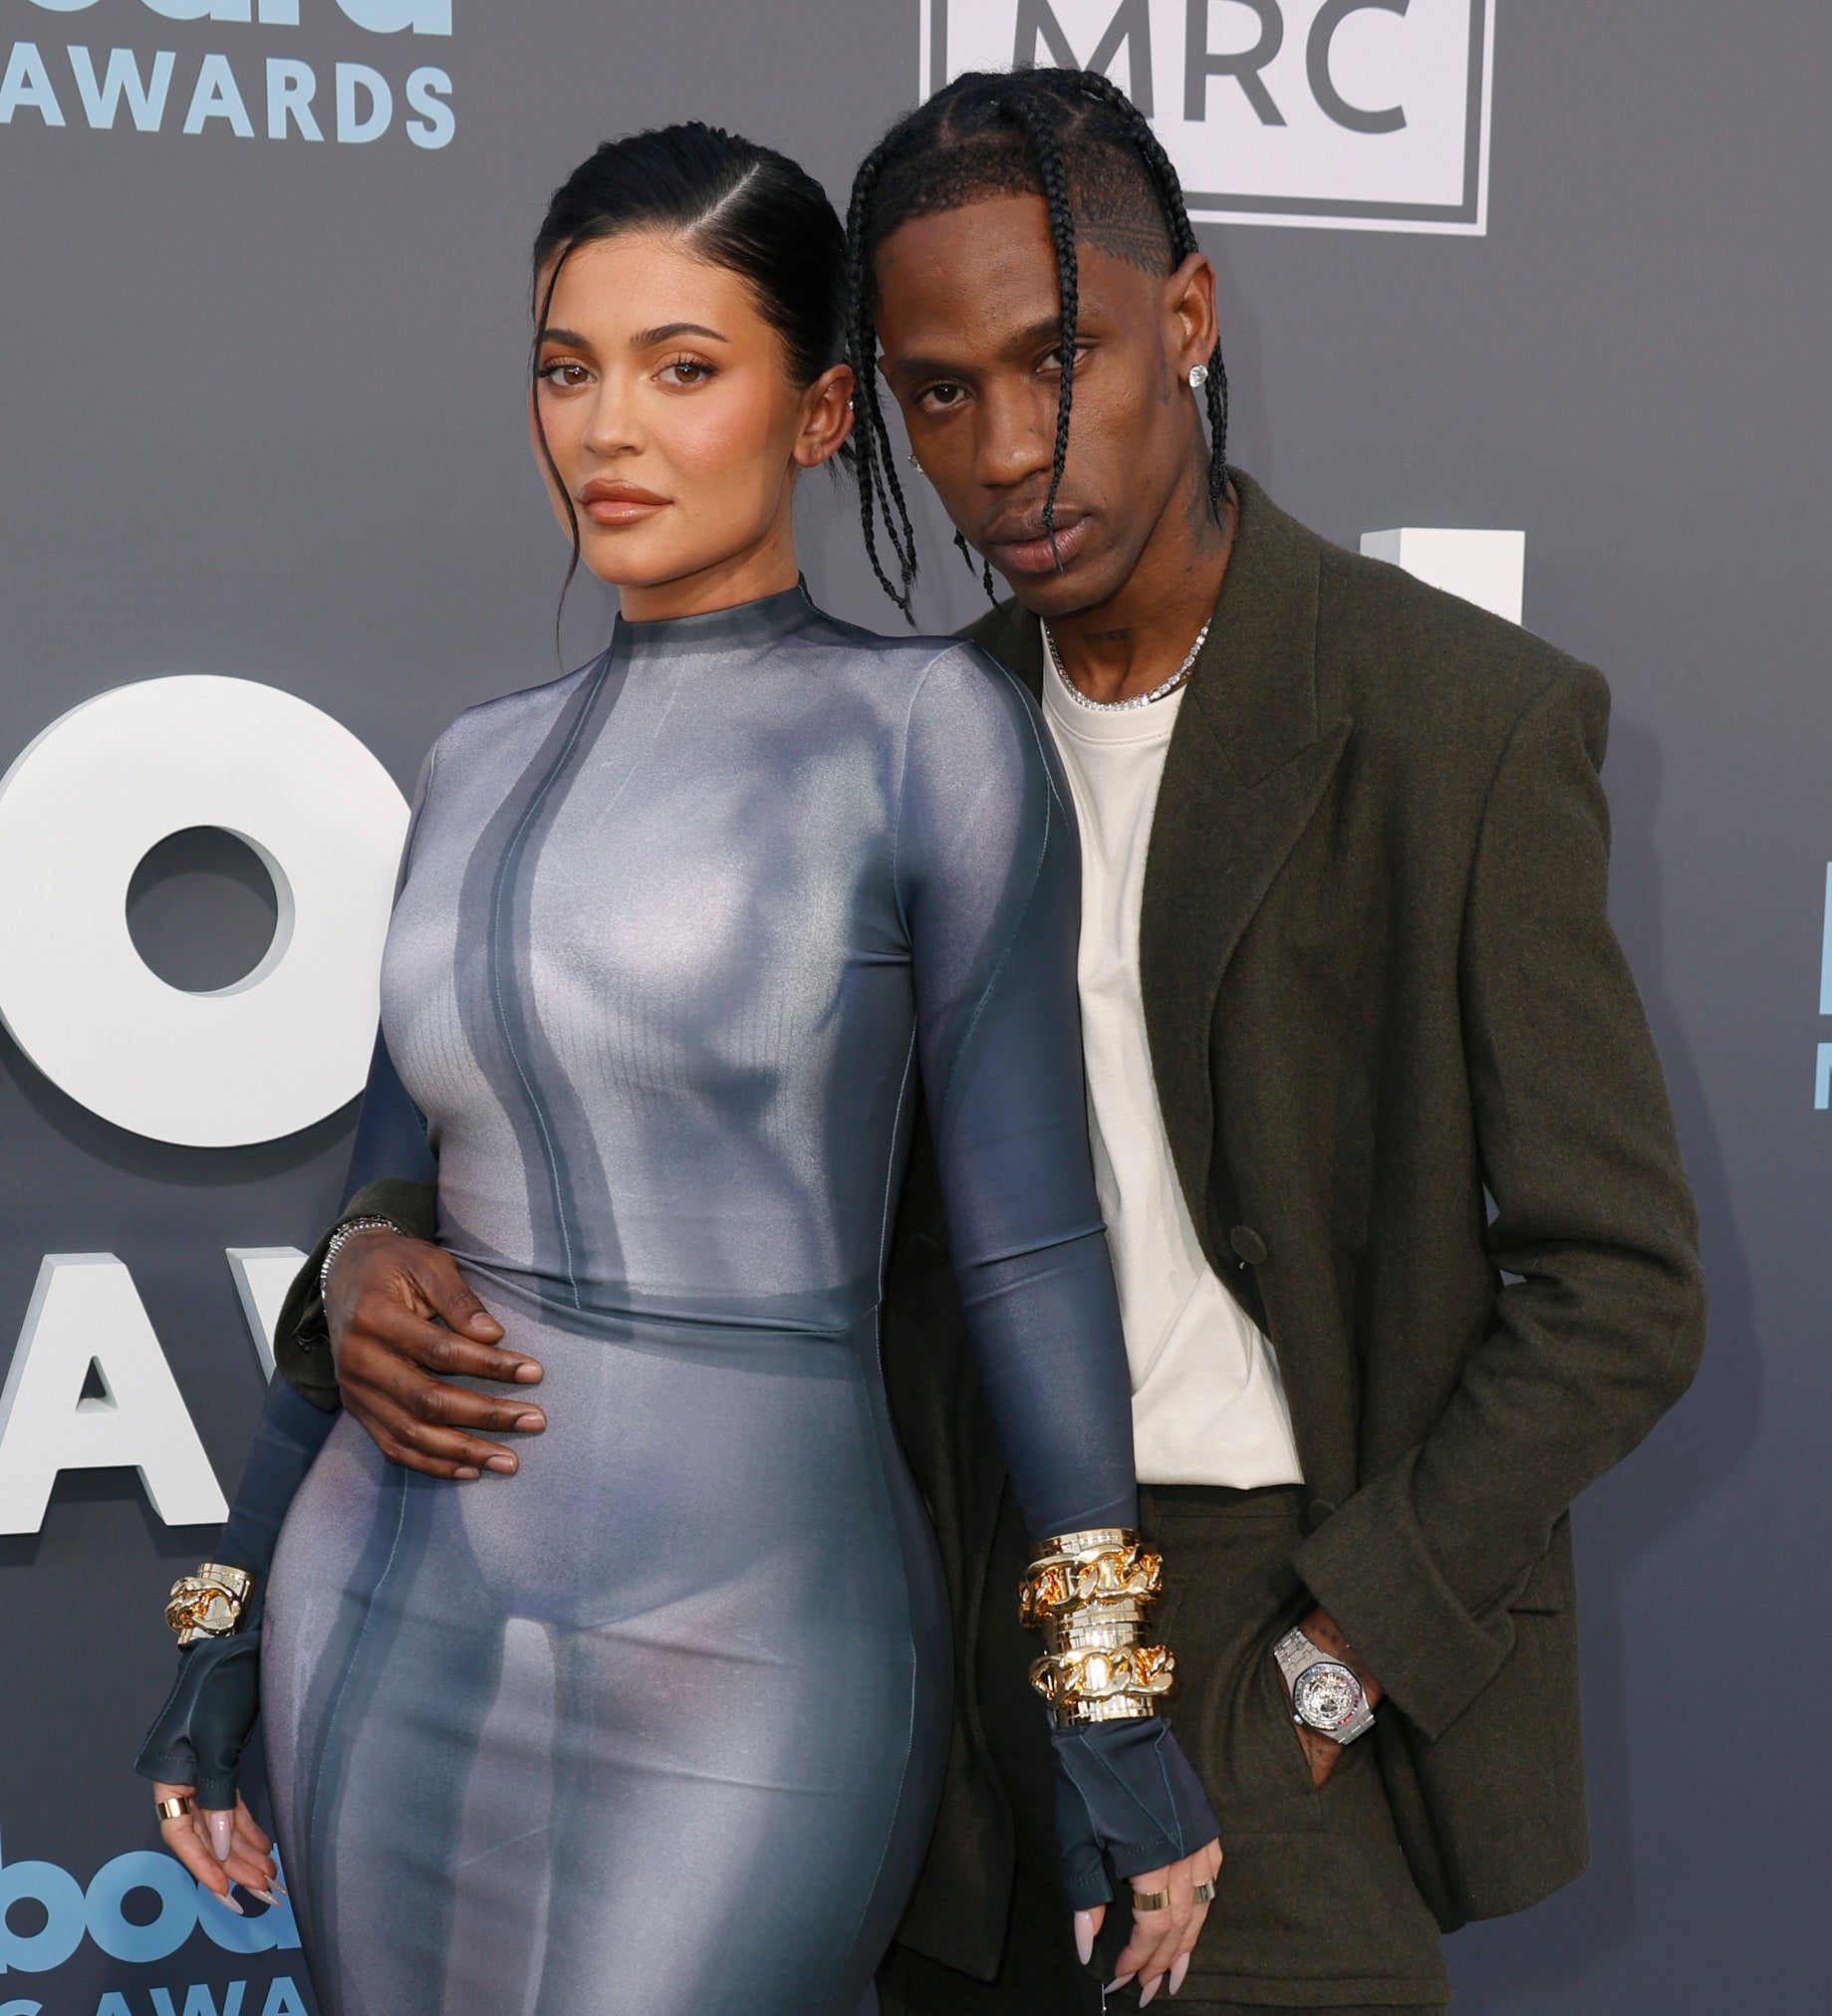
[(1170, 686)]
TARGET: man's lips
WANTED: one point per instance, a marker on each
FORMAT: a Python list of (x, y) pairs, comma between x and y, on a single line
[(619, 503), (1026, 549)]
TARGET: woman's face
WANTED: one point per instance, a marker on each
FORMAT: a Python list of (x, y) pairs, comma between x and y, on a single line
[(667, 411)]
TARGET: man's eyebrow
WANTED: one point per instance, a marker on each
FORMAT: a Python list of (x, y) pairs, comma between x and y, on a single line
[(1045, 329)]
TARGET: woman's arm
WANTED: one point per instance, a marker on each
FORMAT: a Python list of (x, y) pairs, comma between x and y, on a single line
[(193, 1749), (989, 877)]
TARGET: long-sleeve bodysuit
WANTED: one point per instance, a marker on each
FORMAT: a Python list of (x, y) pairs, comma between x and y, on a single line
[(659, 1723)]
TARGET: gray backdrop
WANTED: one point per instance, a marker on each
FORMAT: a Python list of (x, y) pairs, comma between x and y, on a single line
[(261, 416)]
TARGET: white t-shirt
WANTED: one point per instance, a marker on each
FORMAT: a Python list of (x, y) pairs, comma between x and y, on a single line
[(1208, 1404)]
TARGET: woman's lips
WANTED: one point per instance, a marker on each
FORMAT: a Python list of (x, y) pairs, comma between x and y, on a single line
[(619, 503), (1038, 556)]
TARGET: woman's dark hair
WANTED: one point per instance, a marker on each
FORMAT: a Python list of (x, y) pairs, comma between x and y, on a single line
[(1074, 138), (739, 206)]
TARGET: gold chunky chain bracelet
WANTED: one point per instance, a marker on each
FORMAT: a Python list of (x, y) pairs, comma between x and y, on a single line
[(1109, 1565), (208, 1604), (1094, 1674), (1090, 1594)]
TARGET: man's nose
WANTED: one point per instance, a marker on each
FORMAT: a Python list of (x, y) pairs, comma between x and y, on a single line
[(1014, 442)]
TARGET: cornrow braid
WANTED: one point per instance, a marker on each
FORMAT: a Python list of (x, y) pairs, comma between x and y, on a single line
[(947, 152), (1182, 242), (877, 460), (1032, 110)]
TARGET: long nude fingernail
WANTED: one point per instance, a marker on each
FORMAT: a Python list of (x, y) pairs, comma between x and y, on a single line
[(279, 1887), (222, 1833), (1151, 1989), (1118, 1982), (268, 1897), (1084, 1936), (225, 1899), (1178, 1972)]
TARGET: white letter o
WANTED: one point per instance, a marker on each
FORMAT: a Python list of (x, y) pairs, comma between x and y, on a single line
[(79, 808)]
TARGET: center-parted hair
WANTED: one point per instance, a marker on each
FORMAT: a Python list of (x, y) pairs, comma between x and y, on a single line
[(734, 203), (1072, 136)]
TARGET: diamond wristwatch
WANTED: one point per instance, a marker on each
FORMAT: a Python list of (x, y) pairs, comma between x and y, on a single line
[(1325, 1695)]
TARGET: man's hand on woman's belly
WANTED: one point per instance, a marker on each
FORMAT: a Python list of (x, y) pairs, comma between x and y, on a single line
[(403, 1322)]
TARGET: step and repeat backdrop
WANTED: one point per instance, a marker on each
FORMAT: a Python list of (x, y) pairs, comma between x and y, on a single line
[(1532, 298)]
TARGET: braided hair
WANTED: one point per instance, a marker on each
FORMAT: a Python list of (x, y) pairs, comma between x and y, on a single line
[(1076, 139)]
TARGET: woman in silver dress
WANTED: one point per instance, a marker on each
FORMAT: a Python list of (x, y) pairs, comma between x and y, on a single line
[(678, 938)]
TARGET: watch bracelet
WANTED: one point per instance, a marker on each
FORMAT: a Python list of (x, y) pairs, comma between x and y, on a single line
[(1297, 1653)]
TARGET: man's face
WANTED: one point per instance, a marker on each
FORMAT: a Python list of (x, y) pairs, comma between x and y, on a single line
[(968, 321)]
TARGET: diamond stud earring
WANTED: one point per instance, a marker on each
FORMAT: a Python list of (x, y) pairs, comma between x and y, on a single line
[(1198, 377)]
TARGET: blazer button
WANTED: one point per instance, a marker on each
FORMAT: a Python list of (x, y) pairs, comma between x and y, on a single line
[(1248, 1244)]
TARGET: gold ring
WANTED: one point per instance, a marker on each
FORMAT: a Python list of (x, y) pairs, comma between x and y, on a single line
[(173, 1809), (1205, 1891), (1151, 1901)]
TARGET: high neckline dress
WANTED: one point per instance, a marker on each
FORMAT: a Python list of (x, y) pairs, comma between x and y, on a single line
[(659, 1723)]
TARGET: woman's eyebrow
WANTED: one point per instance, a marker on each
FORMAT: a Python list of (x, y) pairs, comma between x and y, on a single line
[(646, 339)]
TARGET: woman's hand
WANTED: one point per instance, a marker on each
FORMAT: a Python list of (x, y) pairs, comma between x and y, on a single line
[(222, 1847), (399, 1312), (1161, 1940), (1125, 1791)]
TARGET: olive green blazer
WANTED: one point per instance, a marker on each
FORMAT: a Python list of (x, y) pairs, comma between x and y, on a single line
[(1424, 1137), (1423, 1132)]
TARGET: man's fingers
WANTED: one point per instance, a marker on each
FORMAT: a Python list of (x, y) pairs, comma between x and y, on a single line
[(379, 1327), (450, 1406), (437, 1453), (448, 1290), (400, 1350)]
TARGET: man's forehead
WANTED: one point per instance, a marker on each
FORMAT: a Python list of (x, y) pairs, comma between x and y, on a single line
[(982, 274)]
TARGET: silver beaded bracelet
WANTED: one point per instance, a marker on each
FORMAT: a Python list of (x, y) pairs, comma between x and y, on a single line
[(342, 1235)]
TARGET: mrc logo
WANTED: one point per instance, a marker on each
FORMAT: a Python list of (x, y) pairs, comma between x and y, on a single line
[(1355, 114)]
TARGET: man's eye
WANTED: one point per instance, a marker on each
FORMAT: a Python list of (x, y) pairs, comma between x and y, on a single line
[(939, 398)]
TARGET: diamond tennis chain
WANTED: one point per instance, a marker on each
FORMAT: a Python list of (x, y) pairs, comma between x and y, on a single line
[(1170, 686)]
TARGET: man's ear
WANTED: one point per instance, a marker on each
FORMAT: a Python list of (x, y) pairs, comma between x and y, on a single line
[(1190, 312), (826, 416)]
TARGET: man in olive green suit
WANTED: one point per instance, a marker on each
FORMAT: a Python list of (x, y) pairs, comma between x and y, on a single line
[(1410, 1115)]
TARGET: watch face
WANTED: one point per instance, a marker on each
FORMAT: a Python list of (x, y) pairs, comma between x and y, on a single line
[(1326, 1696)]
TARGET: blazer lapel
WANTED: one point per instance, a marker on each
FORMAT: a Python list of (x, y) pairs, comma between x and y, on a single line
[(1253, 751)]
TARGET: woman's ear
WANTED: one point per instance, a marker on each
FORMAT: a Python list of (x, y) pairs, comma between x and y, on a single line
[(826, 416)]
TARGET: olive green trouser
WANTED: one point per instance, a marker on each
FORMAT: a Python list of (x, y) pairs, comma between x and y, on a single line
[(1314, 1907)]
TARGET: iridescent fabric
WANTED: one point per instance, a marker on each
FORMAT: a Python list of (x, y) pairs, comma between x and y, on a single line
[(658, 1724)]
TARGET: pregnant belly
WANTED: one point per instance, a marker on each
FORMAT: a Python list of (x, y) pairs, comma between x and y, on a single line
[(682, 1460)]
